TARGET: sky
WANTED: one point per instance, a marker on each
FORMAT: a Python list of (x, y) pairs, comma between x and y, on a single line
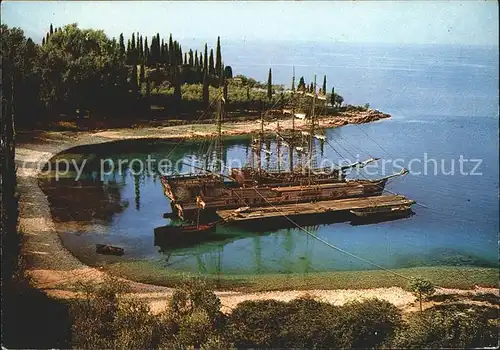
[(386, 22)]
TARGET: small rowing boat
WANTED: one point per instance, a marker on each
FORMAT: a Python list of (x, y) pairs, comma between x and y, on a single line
[(108, 250)]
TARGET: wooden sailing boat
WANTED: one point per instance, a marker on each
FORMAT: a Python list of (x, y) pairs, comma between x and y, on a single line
[(253, 186)]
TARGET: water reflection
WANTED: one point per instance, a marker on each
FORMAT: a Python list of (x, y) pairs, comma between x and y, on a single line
[(123, 207)]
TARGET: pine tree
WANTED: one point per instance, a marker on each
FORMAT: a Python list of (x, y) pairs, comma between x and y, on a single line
[(211, 68), (205, 59), (228, 72), (122, 45), (269, 85), (196, 62), (51, 30), (218, 59), (324, 85)]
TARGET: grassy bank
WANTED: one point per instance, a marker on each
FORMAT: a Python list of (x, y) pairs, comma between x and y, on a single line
[(446, 277)]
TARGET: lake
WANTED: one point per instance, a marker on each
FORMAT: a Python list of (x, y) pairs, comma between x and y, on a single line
[(444, 103)]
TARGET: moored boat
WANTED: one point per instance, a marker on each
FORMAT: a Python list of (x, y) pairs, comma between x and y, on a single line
[(106, 249), (183, 234)]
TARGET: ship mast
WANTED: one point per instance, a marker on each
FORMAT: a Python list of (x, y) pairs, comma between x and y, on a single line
[(291, 145), (219, 145), (311, 132)]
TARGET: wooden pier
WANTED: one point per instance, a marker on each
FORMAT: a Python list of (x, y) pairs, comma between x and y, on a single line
[(328, 207)]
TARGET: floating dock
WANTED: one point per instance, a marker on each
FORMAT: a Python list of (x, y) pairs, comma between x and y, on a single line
[(320, 208)]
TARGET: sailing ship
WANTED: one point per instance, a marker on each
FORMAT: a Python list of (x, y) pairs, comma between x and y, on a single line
[(254, 186)]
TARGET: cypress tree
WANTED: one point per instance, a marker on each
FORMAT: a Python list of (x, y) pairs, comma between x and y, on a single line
[(147, 58), (191, 59), (133, 49), (171, 59), (201, 61), (141, 73), (51, 30), (43, 41), (157, 57), (332, 97), (205, 90), (133, 80), (185, 58), (141, 50), (129, 52), (324, 85), (122, 45), (302, 84), (311, 87), (269, 85), (196, 62), (163, 53), (218, 59), (47, 38), (180, 54), (211, 68), (205, 60)]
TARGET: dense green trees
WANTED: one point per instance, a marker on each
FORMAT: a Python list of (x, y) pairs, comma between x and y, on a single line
[(84, 69)]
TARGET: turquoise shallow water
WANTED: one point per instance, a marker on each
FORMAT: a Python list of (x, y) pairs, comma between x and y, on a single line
[(444, 105)]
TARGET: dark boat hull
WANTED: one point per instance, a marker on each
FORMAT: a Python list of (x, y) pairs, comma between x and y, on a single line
[(176, 236), (109, 250), (269, 196)]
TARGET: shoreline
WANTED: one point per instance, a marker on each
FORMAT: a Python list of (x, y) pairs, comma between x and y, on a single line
[(50, 265)]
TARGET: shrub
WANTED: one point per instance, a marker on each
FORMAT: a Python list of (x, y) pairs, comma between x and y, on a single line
[(450, 326), (368, 324), (103, 318), (193, 317), (311, 324), (257, 323)]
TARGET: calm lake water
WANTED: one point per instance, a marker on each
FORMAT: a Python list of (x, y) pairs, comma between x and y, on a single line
[(444, 102)]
